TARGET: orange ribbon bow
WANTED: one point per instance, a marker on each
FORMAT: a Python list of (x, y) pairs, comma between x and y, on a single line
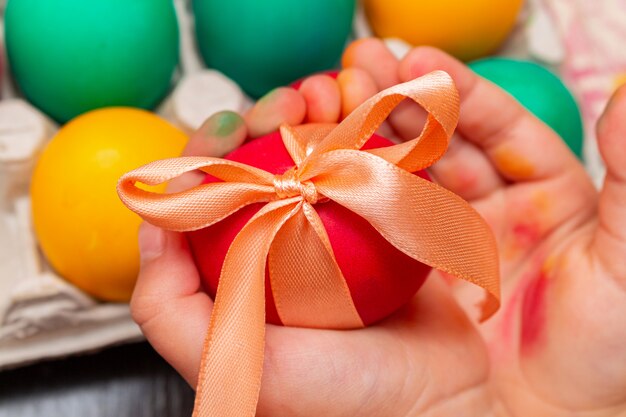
[(419, 218)]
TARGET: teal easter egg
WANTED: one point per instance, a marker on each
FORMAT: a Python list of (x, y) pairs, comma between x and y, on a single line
[(270, 43), (540, 91), (72, 56)]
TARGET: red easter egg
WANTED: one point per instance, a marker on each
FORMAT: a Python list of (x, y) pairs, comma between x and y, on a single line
[(381, 279)]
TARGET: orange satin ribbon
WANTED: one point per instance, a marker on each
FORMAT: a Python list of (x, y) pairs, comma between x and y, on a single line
[(419, 218)]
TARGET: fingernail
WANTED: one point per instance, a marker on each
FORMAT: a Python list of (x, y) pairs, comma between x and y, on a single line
[(151, 242)]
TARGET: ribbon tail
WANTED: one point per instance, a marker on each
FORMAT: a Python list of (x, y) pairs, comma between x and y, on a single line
[(420, 218), (308, 286), (232, 360)]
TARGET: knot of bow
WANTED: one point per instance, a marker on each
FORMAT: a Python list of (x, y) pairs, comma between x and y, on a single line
[(419, 218), (289, 185)]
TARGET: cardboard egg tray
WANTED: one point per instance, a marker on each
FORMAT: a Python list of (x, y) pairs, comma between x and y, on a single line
[(41, 315)]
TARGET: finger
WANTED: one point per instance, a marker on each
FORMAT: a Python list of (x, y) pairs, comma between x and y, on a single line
[(386, 131), (220, 134), (323, 99), (373, 56), (168, 302), (465, 170), (356, 87), (520, 146), (408, 119), (281, 105), (610, 239)]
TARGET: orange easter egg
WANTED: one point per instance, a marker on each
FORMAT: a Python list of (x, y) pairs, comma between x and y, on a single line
[(467, 29)]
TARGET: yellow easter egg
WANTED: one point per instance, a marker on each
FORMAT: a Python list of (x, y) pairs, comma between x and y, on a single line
[(88, 236), (467, 29)]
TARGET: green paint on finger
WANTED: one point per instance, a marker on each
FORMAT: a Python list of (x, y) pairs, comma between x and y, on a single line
[(227, 123)]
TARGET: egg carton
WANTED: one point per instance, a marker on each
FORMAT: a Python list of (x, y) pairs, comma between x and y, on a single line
[(41, 315)]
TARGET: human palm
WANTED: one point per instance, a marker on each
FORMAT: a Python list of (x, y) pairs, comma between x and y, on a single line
[(555, 348)]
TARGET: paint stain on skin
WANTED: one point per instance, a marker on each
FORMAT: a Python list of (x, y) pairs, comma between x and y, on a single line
[(511, 164), (524, 235), (537, 266), (533, 312), (525, 315), (534, 304), (227, 123), (541, 201), (509, 316), (530, 229), (512, 305), (527, 234), (270, 97)]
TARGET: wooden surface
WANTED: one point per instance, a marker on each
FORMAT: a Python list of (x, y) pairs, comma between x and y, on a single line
[(127, 381)]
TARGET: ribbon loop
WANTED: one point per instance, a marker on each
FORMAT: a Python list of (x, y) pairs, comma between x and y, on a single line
[(186, 211), (435, 92)]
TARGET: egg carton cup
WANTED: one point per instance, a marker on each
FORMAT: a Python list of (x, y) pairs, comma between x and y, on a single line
[(41, 315)]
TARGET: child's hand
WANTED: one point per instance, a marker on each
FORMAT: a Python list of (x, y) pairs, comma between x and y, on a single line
[(557, 346)]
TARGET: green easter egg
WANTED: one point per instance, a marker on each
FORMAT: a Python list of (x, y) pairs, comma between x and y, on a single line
[(270, 43), (72, 56), (540, 91)]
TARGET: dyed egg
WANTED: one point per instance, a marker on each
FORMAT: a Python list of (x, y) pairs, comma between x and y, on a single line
[(381, 278), (266, 44), (72, 56), (86, 233), (1, 68), (467, 29), (541, 92)]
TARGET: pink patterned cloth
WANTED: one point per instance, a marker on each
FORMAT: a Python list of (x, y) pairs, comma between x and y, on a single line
[(593, 35)]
